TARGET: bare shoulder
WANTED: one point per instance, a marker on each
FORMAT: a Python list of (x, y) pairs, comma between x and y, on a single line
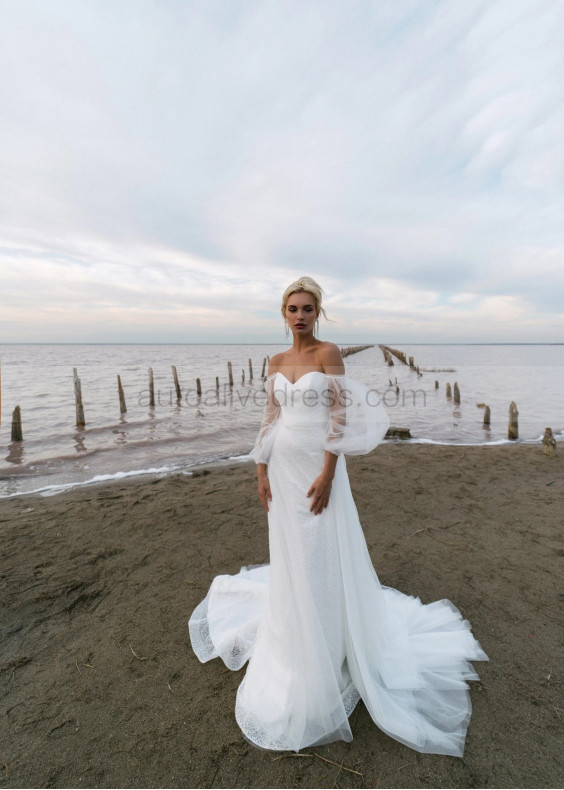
[(276, 362), (331, 359)]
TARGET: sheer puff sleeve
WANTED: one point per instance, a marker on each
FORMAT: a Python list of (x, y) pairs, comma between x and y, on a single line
[(265, 439), (357, 419)]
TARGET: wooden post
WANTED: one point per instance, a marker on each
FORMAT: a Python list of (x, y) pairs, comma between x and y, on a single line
[(80, 421), (151, 389), (17, 435), (487, 416), (199, 388), (263, 368), (456, 393), (122, 406), (513, 429), (436, 384), (217, 383), (410, 362), (250, 370), (230, 373), (243, 375), (549, 443), (448, 392), (176, 384)]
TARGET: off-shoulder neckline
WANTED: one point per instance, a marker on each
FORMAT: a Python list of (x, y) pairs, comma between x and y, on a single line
[(293, 383)]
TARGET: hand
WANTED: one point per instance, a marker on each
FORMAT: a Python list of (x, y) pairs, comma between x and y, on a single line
[(264, 493), (321, 489)]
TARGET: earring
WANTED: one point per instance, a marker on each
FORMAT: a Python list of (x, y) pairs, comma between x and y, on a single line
[(286, 327)]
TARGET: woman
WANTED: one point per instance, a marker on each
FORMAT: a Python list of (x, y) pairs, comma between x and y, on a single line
[(318, 629)]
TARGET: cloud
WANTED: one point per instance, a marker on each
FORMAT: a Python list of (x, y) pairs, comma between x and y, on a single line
[(162, 162)]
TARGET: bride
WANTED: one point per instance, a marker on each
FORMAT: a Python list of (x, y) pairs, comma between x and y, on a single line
[(318, 629)]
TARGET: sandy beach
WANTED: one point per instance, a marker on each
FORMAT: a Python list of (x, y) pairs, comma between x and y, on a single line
[(100, 687)]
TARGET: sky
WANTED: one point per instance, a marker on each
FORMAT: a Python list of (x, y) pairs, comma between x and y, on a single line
[(168, 167)]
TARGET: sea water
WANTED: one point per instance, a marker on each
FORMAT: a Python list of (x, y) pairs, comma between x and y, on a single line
[(221, 424)]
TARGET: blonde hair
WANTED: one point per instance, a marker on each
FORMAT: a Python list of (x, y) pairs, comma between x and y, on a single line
[(308, 285)]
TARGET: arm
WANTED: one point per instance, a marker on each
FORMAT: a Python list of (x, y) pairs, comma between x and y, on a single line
[(321, 487), (261, 451)]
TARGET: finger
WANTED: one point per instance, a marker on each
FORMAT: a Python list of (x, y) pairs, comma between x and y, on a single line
[(316, 506)]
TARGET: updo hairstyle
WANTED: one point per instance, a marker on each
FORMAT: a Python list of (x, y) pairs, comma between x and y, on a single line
[(308, 285)]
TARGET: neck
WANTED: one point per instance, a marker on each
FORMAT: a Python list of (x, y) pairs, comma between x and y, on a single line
[(304, 342)]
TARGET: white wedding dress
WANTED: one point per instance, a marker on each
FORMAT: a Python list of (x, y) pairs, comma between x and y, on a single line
[(317, 627)]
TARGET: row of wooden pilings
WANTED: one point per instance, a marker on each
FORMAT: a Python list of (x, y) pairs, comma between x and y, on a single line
[(81, 422), (389, 352), (17, 432), (345, 352), (453, 393)]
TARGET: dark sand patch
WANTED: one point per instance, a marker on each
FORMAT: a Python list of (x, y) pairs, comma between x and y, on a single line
[(100, 687)]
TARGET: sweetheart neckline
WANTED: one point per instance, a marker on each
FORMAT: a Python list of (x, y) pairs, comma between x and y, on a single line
[(293, 383)]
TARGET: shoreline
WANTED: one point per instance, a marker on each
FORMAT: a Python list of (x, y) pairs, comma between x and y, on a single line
[(188, 470), (99, 682)]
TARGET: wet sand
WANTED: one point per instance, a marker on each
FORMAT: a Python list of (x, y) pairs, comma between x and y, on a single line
[(100, 687)]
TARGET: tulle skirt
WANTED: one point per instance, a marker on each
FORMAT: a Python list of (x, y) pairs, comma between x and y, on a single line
[(320, 632)]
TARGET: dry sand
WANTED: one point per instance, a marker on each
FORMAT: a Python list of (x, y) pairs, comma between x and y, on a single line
[(100, 687)]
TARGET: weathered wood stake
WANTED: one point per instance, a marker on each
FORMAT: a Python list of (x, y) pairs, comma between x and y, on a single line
[(487, 416), (513, 429), (448, 391), (456, 393), (199, 388), (243, 375), (17, 435), (151, 389), (230, 372), (80, 421), (122, 406), (263, 368), (217, 383), (394, 432), (176, 383), (549, 443), (250, 370), (436, 384)]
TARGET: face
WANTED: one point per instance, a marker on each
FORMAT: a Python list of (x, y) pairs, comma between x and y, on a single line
[(300, 312)]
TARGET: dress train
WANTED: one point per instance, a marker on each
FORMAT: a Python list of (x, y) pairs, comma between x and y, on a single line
[(318, 629)]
